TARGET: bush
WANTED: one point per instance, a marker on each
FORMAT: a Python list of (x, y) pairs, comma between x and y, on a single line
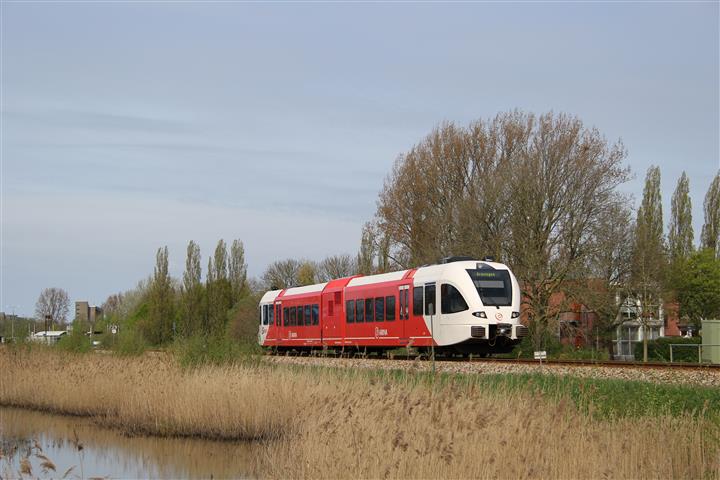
[(216, 350), (129, 342), (659, 350), (75, 341)]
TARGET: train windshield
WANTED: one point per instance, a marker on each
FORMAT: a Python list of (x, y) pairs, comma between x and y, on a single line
[(493, 286)]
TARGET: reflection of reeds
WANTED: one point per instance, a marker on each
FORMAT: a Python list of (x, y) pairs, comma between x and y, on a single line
[(328, 424)]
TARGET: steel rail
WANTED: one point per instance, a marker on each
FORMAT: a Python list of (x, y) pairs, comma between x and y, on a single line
[(519, 361)]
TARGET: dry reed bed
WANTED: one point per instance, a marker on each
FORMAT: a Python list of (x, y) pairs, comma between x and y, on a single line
[(150, 394), (327, 424)]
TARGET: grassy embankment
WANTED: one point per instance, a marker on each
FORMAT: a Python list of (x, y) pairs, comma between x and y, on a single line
[(338, 423)]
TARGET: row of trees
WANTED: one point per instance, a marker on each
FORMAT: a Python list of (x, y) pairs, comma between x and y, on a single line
[(164, 308), (541, 194)]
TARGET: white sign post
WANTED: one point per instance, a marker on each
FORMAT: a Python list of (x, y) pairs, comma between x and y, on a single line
[(541, 355)]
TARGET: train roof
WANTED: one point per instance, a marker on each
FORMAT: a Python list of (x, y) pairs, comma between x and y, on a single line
[(270, 296), (379, 278), (318, 287)]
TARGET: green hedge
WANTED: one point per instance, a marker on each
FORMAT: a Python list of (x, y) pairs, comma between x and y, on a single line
[(659, 350)]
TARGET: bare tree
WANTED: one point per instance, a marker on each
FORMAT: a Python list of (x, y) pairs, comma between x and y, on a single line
[(53, 303), (336, 266), (523, 188), (282, 274)]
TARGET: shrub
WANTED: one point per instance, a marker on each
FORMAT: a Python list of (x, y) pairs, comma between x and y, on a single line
[(214, 350), (75, 341), (659, 350)]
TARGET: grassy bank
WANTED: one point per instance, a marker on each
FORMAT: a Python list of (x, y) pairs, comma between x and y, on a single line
[(328, 423)]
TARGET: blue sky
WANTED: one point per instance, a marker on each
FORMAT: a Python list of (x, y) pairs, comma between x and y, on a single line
[(128, 126)]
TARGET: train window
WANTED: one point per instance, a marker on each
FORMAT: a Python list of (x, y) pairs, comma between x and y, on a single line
[(493, 286), (350, 311), (407, 303), (293, 317), (277, 315), (359, 311), (316, 314), (380, 309), (369, 310), (271, 311), (286, 316), (300, 316), (417, 301), (308, 317), (263, 315), (451, 300), (390, 308), (430, 298)]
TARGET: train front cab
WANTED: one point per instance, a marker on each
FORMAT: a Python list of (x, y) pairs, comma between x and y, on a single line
[(479, 306)]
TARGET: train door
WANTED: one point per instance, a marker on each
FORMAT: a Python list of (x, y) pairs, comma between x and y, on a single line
[(278, 321), (403, 313), (418, 328)]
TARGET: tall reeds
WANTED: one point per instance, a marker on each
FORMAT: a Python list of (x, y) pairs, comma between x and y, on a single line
[(329, 424)]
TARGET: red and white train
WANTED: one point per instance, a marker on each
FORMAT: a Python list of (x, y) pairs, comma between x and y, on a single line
[(479, 311)]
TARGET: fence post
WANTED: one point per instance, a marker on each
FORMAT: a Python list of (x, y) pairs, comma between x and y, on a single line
[(700, 353), (671, 355)]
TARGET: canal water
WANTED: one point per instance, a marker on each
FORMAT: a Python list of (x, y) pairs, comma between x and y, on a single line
[(81, 449)]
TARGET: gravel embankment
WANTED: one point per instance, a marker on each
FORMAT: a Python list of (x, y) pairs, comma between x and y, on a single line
[(707, 378)]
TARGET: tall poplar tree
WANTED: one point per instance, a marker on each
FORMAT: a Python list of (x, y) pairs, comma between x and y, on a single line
[(219, 290), (648, 261), (680, 235), (161, 306), (711, 228), (192, 292), (237, 270)]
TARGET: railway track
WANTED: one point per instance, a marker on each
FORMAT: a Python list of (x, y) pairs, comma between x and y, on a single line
[(520, 361)]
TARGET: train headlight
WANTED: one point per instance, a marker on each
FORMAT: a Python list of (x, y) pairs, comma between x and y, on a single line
[(480, 314), (515, 315)]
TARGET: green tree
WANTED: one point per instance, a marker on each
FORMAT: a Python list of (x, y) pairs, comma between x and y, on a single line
[(219, 290), (193, 293), (711, 228), (237, 270), (366, 255), (680, 234), (649, 255), (157, 327), (307, 273), (698, 286)]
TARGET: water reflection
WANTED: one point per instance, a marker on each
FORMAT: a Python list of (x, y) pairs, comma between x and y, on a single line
[(76, 444)]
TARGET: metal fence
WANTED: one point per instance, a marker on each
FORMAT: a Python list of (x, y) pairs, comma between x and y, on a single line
[(699, 347)]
